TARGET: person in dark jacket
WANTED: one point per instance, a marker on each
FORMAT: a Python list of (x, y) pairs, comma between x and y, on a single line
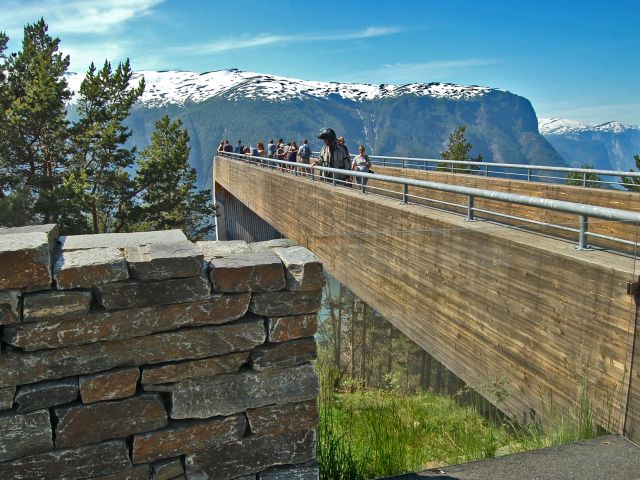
[(333, 155)]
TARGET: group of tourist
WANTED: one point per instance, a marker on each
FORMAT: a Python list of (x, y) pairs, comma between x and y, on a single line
[(334, 154)]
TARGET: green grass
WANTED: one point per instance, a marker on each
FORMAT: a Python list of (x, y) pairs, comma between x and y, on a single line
[(374, 433)]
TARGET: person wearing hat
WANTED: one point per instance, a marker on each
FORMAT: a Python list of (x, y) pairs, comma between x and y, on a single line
[(333, 155)]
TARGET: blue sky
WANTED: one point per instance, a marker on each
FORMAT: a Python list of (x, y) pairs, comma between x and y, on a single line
[(572, 59)]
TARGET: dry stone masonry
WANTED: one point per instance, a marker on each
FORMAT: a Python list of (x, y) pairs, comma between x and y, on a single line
[(145, 356)]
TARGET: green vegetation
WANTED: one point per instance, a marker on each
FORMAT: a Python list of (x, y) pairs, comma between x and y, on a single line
[(632, 183), (590, 180), (84, 174), (459, 149), (388, 407)]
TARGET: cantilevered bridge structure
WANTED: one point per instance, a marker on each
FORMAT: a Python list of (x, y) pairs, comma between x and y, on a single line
[(526, 290)]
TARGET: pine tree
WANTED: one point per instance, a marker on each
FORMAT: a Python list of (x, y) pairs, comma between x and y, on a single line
[(591, 180), (101, 163), (166, 191), (459, 149), (34, 136), (632, 184)]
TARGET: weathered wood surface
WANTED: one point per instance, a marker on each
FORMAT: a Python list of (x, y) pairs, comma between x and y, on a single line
[(496, 305), (595, 196)]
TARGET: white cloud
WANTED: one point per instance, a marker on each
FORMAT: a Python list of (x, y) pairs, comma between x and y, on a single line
[(83, 54), (225, 45), (76, 16), (435, 70)]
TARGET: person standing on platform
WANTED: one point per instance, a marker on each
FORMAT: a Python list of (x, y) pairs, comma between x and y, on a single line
[(361, 163), (333, 155)]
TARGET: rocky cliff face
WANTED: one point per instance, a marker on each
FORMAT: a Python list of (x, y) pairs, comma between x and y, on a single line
[(607, 146), (408, 120)]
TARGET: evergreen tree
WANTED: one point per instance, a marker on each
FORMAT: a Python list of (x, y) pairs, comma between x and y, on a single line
[(459, 149), (101, 163), (576, 178), (166, 186), (34, 136), (632, 183)]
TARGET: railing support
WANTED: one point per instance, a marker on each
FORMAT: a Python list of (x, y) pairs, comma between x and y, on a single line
[(584, 228), (528, 174), (470, 217), (584, 179), (405, 194)]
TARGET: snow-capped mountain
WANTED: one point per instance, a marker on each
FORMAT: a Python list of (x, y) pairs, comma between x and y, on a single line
[(606, 146), (413, 120), (177, 87)]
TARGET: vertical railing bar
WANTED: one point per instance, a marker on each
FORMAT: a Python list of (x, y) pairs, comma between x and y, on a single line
[(584, 228)]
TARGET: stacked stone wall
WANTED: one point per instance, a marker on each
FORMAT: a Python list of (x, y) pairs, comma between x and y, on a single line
[(146, 356)]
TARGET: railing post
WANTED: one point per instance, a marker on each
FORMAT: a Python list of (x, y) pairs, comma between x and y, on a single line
[(470, 208), (403, 165), (486, 170), (584, 227), (333, 179), (528, 174), (584, 179), (405, 194)]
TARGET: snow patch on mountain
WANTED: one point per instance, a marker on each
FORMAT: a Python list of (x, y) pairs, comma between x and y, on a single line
[(175, 87), (562, 126)]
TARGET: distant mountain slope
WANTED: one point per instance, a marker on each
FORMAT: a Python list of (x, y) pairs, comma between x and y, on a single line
[(406, 120), (606, 146)]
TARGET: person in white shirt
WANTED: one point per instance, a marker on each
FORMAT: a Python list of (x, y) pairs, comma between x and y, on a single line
[(361, 163)]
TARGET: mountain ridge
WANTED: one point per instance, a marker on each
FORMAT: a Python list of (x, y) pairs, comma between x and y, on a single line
[(412, 120), (178, 87)]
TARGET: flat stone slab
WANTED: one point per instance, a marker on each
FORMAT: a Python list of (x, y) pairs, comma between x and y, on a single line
[(84, 424), (218, 249), (186, 437), (20, 368), (167, 469), (46, 394), (112, 325), (10, 306), (133, 294), (205, 367), (306, 471), (86, 268), (120, 240), (608, 457), (71, 463), (6, 397), (276, 419), (251, 455), (303, 268), (24, 434), (248, 272), (55, 305), (25, 260), (285, 354), (139, 472), (160, 261), (271, 244), (111, 385), (279, 304), (233, 393), (282, 329)]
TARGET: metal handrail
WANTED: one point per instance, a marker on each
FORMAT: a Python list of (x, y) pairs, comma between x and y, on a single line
[(519, 166), (584, 211)]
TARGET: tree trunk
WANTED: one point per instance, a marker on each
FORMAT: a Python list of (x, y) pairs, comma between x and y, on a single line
[(338, 358), (363, 342), (352, 337)]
